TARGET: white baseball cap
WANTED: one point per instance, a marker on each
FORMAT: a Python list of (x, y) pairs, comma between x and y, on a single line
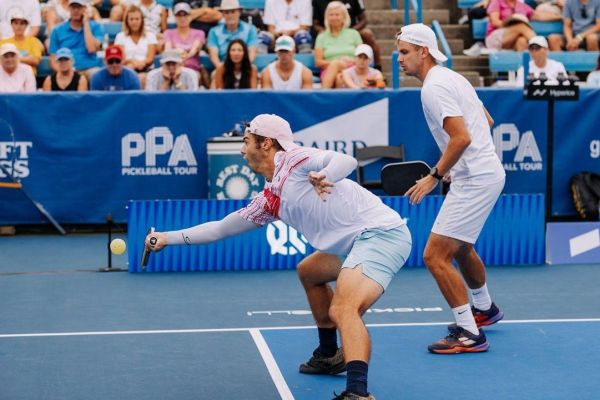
[(421, 35), (284, 42), (80, 2), (8, 48), (539, 40), (185, 7), (274, 127), (171, 55), (364, 49)]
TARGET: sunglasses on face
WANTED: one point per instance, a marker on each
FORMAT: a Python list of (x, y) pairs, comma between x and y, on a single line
[(113, 61)]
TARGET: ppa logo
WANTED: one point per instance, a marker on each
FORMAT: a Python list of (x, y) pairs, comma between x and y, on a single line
[(14, 157), (155, 146), (237, 181), (285, 240), (527, 156)]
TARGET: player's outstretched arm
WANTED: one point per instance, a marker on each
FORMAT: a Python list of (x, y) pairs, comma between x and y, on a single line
[(233, 224)]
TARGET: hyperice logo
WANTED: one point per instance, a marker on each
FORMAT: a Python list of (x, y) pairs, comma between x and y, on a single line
[(14, 157), (527, 156), (156, 144), (285, 240)]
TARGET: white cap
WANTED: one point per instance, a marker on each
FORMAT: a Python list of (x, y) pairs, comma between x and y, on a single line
[(274, 127), (18, 14), (171, 55), (539, 40), (284, 42), (8, 48), (183, 6), (364, 49), (227, 5), (80, 2), (421, 35)]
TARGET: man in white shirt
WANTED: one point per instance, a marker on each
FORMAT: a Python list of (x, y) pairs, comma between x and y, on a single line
[(15, 77), (29, 8), (306, 188), (285, 73), (538, 50), (460, 125), (292, 18)]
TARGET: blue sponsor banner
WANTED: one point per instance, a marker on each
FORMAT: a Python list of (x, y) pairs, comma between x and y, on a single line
[(85, 155), (573, 243)]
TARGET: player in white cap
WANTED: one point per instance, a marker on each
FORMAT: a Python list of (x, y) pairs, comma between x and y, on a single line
[(460, 125), (361, 242)]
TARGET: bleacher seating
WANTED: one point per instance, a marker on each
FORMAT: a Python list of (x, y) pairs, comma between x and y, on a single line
[(542, 28), (252, 4), (574, 61)]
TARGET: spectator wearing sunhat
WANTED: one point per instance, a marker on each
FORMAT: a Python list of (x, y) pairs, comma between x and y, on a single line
[(172, 75), (540, 63), (361, 75), (15, 77), (29, 8), (286, 73), (115, 76), (66, 79), (79, 34), (30, 48), (232, 28)]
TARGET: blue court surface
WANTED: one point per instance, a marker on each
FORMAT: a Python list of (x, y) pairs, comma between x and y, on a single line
[(69, 332)]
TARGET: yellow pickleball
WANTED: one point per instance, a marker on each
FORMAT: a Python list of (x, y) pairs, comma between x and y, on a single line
[(117, 246)]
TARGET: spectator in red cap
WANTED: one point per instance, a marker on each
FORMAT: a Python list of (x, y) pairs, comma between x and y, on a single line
[(115, 76)]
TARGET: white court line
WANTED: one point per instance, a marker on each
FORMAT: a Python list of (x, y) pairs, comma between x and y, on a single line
[(272, 328), (274, 371)]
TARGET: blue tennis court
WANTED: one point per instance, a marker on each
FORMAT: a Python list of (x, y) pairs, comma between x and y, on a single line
[(68, 332)]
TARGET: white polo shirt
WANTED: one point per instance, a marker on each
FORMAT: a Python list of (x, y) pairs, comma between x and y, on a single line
[(330, 226), (446, 93), (288, 16)]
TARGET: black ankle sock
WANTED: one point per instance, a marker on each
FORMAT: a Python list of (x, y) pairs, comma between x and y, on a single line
[(328, 341), (357, 377)]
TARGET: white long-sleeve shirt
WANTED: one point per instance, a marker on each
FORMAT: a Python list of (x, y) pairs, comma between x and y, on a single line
[(330, 226)]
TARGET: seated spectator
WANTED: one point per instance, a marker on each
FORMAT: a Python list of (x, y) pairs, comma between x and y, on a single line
[(155, 15), (593, 79), (581, 25), (232, 28), (236, 72), (508, 26), (205, 14), (79, 34), (334, 48), (285, 73), (57, 11), (358, 20), (14, 76), (549, 10), (172, 75), (29, 8), (361, 75), (287, 17), (115, 76), (478, 11), (188, 41), (30, 48), (139, 46), (66, 78), (538, 50)]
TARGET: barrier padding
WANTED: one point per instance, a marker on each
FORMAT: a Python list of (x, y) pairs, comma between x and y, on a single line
[(513, 234)]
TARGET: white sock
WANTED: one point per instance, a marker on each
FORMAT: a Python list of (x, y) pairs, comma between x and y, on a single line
[(481, 298), (464, 318)]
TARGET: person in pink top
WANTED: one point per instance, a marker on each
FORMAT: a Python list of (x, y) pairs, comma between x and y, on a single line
[(187, 40), (15, 77), (508, 26)]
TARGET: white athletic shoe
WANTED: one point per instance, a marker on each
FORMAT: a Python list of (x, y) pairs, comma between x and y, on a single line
[(474, 50)]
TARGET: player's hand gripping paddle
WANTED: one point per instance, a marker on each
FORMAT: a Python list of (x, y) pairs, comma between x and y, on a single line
[(146, 253), (397, 178)]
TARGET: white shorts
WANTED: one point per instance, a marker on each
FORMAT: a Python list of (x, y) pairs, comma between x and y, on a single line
[(465, 210)]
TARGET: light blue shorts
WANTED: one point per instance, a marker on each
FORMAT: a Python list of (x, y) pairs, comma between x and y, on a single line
[(381, 253)]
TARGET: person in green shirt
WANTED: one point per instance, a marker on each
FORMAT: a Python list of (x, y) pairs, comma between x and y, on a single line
[(334, 47)]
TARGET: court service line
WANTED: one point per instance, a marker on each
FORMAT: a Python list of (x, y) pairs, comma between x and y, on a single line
[(271, 328), (272, 367)]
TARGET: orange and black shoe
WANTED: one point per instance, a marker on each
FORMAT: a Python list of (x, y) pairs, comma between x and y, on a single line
[(459, 340), (488, 317)]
